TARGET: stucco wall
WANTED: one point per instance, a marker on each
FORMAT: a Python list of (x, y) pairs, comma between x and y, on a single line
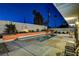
[(21, 26)]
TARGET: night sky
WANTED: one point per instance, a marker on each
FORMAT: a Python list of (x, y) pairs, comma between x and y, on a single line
[(17, 12)]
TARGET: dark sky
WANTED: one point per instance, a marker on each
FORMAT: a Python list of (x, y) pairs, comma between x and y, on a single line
[(17, 11)]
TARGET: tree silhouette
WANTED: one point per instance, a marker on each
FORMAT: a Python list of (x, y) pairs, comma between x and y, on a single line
[(38, 18), (10, 28)]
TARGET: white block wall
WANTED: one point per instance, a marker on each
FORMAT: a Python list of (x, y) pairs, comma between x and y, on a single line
[(20, 26)]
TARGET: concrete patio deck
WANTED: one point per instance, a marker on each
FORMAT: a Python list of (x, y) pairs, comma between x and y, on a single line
[(32, 47)]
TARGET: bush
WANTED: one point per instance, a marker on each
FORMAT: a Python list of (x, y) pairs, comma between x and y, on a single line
[(63, 32), (43, 30), (55, 32), (32, 31), (22, 32), (67, 32), (10, 28), (59, 32), (1, 36), (37, 30)]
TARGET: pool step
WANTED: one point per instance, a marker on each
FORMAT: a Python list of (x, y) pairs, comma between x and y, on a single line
[(43, 38)]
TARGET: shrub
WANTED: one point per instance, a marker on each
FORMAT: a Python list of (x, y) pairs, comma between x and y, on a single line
[(37, 30), (22, 32), (1, 35), (43, 30), (32, 31)]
